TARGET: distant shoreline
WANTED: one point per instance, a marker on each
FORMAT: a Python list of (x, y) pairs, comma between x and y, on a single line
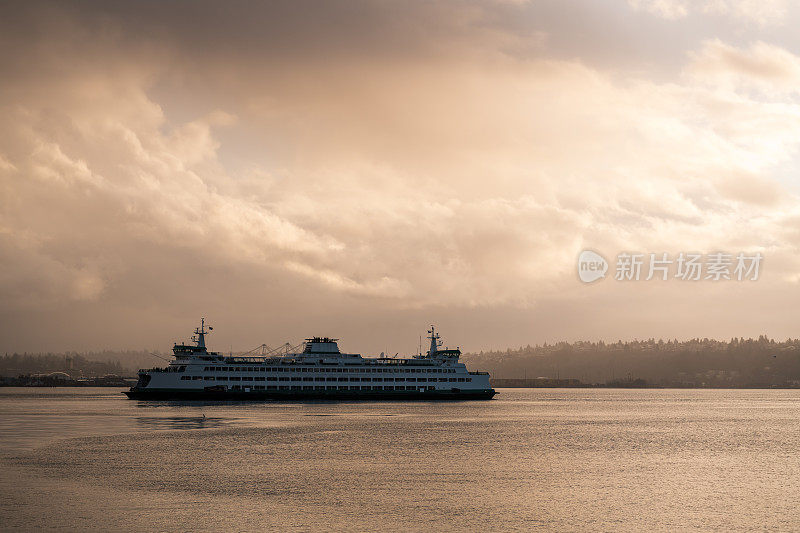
[(546, 383), (50, 380), (497, 386)]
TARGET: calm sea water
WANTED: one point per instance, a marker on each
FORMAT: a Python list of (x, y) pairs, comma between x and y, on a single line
[(567, 459)]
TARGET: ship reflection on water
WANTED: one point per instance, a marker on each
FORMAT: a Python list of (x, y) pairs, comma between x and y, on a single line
[(181, 422)]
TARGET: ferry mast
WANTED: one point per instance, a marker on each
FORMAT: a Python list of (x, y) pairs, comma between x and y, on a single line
[(435, 342), (200, 334)]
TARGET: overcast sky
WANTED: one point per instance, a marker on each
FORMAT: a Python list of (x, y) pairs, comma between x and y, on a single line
[(364, 169)]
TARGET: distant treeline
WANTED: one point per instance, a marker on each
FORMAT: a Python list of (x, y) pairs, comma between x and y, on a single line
[(75, 364), (60, 379), (694, 363)]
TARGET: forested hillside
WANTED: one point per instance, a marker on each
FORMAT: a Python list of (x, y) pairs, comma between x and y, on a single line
[(697, 362)]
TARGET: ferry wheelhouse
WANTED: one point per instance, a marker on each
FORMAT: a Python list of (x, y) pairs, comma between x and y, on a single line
[(319, 371)]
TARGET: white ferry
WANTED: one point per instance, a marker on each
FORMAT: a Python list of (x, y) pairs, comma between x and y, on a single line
[(320, 371)]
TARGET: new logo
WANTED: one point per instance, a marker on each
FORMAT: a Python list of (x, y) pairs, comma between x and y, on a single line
[(591, 266)]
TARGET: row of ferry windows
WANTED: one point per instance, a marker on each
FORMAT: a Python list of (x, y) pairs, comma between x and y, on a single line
[(298, 378), (306, 387), (370, 370)]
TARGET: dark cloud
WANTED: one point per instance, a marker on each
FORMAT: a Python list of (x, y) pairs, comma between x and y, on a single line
[(363, 168)]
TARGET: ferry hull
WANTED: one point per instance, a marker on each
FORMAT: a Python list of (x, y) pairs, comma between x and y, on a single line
[(344, 395)]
